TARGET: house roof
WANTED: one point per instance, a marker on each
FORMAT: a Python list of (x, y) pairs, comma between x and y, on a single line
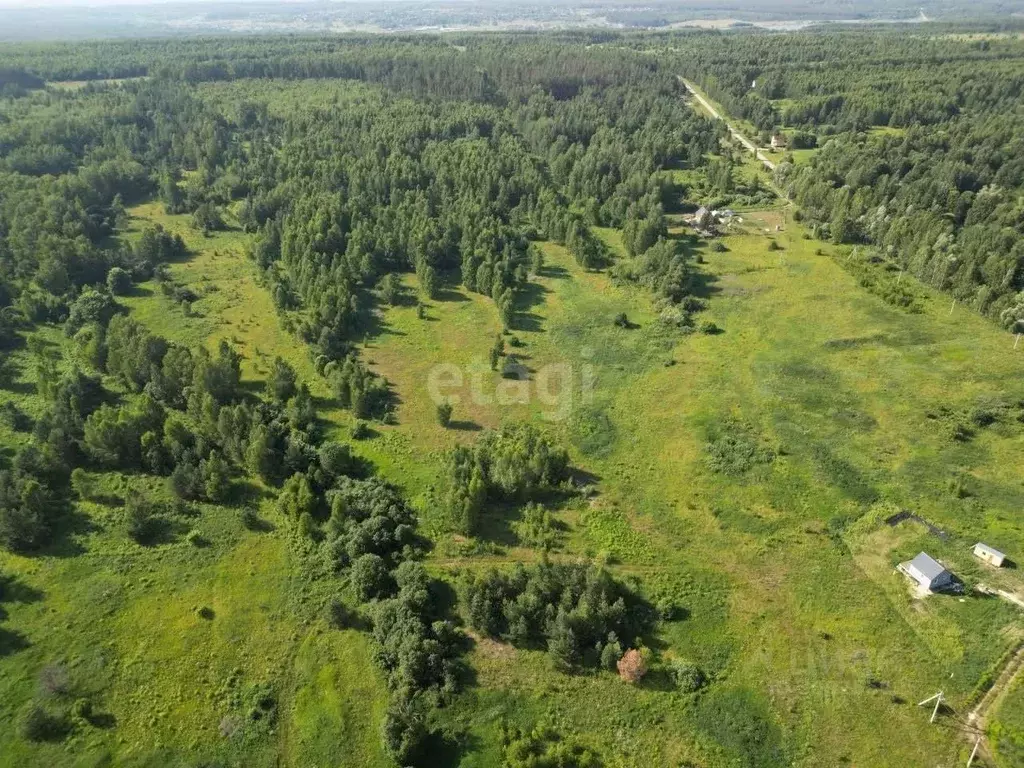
[(927, 566), (989, 550), (701, 211)]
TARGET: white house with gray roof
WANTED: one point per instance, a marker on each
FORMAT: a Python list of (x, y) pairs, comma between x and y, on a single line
[(928, 572)]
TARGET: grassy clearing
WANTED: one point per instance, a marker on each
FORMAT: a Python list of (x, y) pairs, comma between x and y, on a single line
[(284, 97)]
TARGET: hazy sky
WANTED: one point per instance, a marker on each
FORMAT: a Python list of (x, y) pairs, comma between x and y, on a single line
[(9, 4)]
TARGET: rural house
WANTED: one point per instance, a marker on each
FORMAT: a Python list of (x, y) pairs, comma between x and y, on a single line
[(989, 555), (927, 572), (703, 218), (779, 141)]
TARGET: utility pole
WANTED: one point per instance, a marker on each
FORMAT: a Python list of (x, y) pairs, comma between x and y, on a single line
[(974, 752), (937, 698)]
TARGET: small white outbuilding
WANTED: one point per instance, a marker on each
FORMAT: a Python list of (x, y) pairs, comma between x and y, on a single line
[(989, 554)]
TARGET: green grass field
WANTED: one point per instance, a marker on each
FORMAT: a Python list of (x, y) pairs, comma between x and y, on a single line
[(816, 649)]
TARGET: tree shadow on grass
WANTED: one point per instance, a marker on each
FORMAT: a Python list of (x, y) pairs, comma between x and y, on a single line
[(528, 321), (464, 425), (553, 271), (161, 531), (581, 478), (373, 325), (531, 295), (447, 748), (103, 720), (138, 291), (450, 295), (704, 284), (495, 525), (13, 590), (23, 388), (246, 493), (253, 522), (658, 679), (64, 541), (11, 642)]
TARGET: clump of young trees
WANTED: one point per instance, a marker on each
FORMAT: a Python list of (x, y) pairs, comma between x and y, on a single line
[(371, 535), (182, 414), (579, 613), (517, 462)]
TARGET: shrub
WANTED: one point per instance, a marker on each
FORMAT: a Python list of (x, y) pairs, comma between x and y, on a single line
[(360, 430), (774, 246), (206, 218), (688, 676), (39, 724), (718, 247), (621, 320), (732, 450), (707, 327), (959, 432), (543, 746), (611, 653), (404, 733), (535, 528), (81, 483), (370, 578), (143, 522), (81, 712), (444, 413), (195, 538), (119, 282), (54, 680), (668, 610), (632, 666), (335, 459), (250, 519), (958, 487)]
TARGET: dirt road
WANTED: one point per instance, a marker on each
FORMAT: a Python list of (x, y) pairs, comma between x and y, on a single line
[(732, 129)]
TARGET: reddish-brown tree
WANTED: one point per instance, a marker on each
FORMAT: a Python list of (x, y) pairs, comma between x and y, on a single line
[(632, 666)]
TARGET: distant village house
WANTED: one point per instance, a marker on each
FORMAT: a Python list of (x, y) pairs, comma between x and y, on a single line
[(989, 555), (779, 141), (704, 218)]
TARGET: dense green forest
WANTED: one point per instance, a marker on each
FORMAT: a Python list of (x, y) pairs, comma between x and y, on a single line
[(451, 172), (359, 178), (939, 193)]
